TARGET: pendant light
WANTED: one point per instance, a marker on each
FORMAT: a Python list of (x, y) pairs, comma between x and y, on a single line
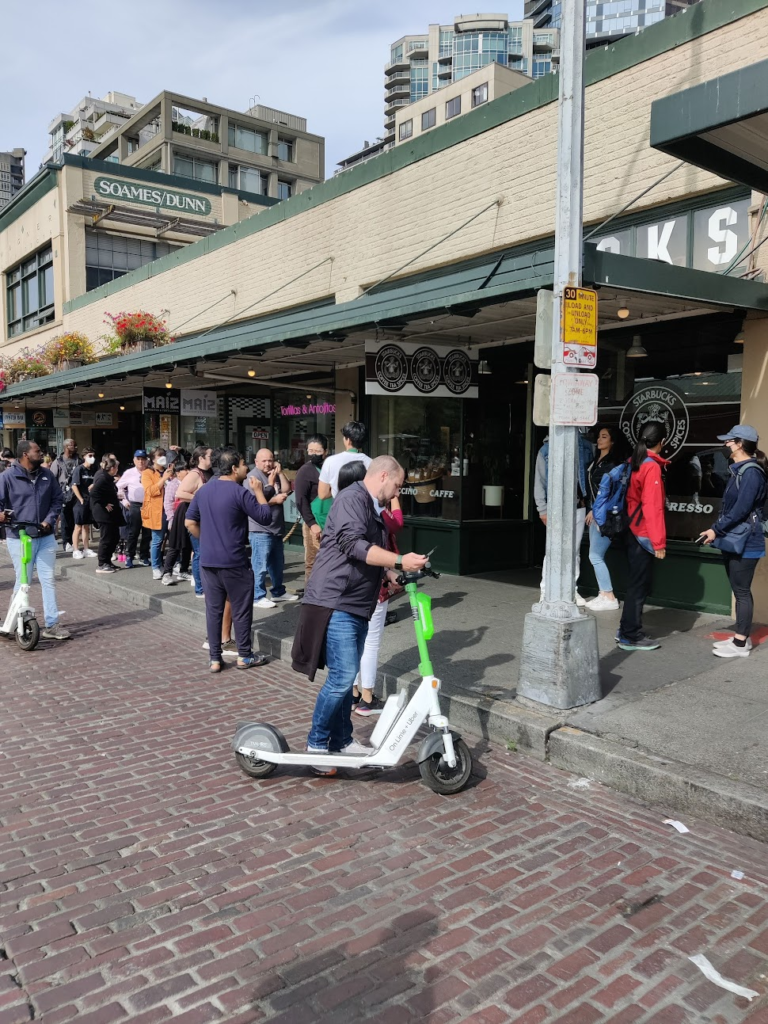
[(636, 350)]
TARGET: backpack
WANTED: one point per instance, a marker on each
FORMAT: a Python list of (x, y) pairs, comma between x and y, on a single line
[(609, 509), (762, 515)]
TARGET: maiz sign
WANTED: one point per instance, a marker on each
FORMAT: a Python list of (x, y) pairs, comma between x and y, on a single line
[(150, 195)]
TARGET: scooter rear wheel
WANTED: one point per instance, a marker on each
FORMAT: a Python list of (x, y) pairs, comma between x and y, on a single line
[(443, 779), (256, 769), (29, 639)]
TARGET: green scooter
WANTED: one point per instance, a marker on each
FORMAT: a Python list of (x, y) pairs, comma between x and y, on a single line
[(20, 620)]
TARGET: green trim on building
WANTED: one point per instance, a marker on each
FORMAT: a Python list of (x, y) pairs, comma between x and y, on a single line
[(683, 124), (43, 182), (697, 21)]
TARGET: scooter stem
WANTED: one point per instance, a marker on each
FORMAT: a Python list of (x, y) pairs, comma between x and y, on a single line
[(425, 665), (26, 556)]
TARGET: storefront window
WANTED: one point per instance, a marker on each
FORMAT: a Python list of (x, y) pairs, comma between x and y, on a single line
[(424, 435), (199, 430), (160, 430), (296, 418)]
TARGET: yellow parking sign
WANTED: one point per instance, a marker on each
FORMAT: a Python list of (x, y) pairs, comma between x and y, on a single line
[(579, 327)]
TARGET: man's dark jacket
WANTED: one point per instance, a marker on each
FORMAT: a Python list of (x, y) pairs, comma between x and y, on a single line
[(34, 499)]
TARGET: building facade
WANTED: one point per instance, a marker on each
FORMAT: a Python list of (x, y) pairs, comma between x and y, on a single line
[(607, 22), (404, 293), (88, 124), (264, 151), (422, 64), (11, 175)]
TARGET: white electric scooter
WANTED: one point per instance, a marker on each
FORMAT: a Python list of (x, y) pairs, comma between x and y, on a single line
[(444, 759), (20, 620)]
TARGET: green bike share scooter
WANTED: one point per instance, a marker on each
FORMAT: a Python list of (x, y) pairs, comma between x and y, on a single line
[(444, 759), (20, 620)]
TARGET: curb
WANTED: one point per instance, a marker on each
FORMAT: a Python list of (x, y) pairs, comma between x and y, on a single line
[(651, 779)]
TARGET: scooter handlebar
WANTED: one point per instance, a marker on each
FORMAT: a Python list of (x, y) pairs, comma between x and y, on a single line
[(412, 577)]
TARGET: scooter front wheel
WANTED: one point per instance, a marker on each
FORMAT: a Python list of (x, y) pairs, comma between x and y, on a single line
[(443, 779), (28, 640)]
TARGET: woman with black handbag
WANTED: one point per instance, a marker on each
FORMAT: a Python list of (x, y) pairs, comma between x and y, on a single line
[(738, 532), (107, 511)]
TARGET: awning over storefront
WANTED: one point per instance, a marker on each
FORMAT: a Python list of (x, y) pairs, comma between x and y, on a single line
[(720, 126), (491, 300)]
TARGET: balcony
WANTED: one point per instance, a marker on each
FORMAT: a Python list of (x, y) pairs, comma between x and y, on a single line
[(107, 122), (543, 42), (389, 124), (419, 52), (445, 58), (401, 64), (394, 106), (398, 92), (445, 72)]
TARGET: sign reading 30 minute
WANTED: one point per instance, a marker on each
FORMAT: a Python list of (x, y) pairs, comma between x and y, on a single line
[(579, 327)]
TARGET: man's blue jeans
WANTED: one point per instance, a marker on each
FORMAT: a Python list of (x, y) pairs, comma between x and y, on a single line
[(196, 564), (44, 559), (332, 718), (267, 557)]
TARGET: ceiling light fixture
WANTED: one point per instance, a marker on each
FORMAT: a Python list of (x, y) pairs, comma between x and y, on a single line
[(101, 394), (251, 373), (122, 408), (168, 384), (636, 350), (622, 312), (739, 339)]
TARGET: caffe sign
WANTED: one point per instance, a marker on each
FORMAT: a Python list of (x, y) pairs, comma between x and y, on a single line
[(420, 371), (656, 403), (150, 195)]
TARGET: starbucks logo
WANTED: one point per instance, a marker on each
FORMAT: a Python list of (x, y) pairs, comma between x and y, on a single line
[(457, 372), (391, 368), (425, 370), (659, 404)]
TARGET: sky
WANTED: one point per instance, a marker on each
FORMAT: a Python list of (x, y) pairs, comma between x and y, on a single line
[(319, 59)]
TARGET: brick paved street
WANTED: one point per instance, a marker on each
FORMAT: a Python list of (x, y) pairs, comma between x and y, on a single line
[(143, 878)]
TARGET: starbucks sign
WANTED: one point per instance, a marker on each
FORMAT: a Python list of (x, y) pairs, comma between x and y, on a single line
[(151, 195), (656, 403)]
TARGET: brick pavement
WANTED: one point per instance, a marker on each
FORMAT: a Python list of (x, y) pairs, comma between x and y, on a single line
[(143, 878)]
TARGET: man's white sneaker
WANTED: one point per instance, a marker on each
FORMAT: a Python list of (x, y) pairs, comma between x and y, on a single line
[(167, 580), (68, 548), (730, 650), (90, 553), (729, 641), (580, 601), (77, 554), (284, 597), (353, 747), (264, 602), (157, 574), (602, 604)]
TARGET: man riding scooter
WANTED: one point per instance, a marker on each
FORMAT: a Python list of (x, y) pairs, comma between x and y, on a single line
[(35, 497), (340, 598)]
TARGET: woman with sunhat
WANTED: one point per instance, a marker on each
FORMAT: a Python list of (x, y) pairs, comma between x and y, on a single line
[(738, 532)]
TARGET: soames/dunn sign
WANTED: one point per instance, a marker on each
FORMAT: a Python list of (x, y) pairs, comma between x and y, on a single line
[(150, 195)]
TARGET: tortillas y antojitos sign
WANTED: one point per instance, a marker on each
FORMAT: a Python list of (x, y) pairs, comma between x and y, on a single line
[(151, 195)]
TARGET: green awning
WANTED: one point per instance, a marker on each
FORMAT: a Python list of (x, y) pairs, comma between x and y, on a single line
[(720, 126)]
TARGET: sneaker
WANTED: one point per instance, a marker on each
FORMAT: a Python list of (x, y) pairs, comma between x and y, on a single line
[(375, 707), (356, 698), (55, 633), (264, 602), (725, 643), (157, 574), (106, 568), (176, 568), (68, 548), (320, 769), (166, 579), (285, 597), (730, 650), (145, 561), (580, 601), (77, 554), (353, 747), (128, 563), (184, 576), (643, 643), (602, 604), (229, 649), (200, 595), (252, 661), (89, 553)]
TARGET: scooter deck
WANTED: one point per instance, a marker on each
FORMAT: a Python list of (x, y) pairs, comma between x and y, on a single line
[(308, 757)]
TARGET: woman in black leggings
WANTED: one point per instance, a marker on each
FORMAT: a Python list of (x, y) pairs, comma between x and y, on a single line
[(738, 531), (107, 511)]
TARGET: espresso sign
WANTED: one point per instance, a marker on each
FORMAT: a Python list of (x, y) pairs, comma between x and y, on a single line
[(404, 368)]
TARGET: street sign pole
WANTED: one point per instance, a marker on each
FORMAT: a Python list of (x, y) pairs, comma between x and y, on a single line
[(559, 662)]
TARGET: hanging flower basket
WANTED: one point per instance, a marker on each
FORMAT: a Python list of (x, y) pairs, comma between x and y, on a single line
[(27, 363), (66, 351), (135, 332)]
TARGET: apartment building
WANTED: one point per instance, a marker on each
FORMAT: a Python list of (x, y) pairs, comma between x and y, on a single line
[(82, 130), (262, 151), (607, 22), (11, 175), (424, 63)]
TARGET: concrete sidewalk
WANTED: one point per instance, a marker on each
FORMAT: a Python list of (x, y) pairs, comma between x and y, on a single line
[(676, 726)]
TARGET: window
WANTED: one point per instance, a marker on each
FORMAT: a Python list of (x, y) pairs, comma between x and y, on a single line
[(453, 107), (428, 119), (247, 139), (406, 129), (284, 149), (248, 179), (480, 94), (30, 293), (194, 167), (110, 256), (284, 189)]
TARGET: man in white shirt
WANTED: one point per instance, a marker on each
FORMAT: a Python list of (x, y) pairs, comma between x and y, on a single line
[(353, 434), (131, 494)]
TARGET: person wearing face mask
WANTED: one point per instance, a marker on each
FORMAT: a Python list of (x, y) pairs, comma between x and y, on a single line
[(82, 480), (738, 531), (153, 480), (305, 492), (34, 495)]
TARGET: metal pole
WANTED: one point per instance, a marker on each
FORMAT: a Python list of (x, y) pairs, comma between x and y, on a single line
[(558, 664)]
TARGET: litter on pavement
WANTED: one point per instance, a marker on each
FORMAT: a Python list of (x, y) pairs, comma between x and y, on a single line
[(676, 824), (738, 875), (716, 978)]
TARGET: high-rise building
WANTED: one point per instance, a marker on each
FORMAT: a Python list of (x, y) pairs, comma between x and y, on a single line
[(423, 63), (88, 124), (11, 175), (607, 22)]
